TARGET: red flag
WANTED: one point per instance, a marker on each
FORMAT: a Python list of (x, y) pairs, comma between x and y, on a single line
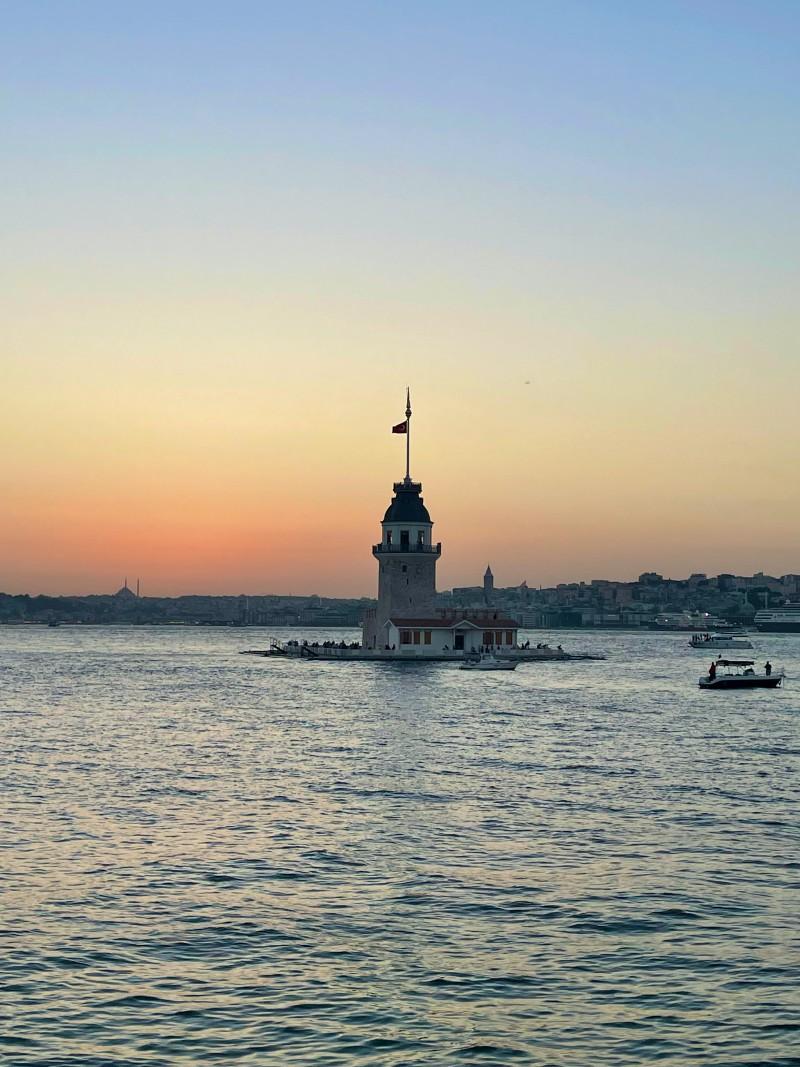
[(401, 427)]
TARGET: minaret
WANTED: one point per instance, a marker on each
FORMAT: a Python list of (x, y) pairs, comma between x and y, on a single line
[(406, 555), (488, 585)]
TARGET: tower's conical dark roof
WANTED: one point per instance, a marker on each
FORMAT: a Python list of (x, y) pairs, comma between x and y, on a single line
[(407, 505)]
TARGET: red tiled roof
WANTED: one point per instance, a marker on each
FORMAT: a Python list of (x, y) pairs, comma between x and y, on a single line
[(480, 623)]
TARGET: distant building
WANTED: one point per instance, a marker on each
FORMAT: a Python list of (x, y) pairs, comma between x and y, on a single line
[(651, 578), (125, 595), (468, 595), (488, 585), (487, 630)]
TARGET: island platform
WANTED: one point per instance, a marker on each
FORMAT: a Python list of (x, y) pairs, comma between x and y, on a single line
[(356, 654), (407, 623)]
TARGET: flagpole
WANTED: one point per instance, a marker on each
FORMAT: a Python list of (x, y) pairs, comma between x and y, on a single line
[(408, 434)]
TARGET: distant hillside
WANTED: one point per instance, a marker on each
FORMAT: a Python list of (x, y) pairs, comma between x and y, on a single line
[(125, 607)]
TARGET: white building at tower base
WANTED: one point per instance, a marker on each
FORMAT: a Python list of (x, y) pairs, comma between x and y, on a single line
[(426, 637)]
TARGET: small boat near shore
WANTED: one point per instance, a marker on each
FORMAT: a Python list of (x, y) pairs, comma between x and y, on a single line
[(739, 674), (486, 661), (720, 641)]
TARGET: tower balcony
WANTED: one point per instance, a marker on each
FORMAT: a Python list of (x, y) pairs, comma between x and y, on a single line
[(407, 550)]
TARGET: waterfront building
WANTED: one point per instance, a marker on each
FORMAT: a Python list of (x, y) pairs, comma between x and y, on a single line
[(454, 633)]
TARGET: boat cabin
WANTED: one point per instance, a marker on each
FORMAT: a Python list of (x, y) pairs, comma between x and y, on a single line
[(745, 664)]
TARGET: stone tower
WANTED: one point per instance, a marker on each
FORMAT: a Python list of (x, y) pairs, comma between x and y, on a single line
[(488, 585), (406, 557)]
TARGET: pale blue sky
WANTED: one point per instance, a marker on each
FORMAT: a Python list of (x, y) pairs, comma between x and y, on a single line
[(636, 135)]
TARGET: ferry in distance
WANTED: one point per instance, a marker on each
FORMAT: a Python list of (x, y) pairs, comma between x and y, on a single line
[(779, 620), (732, 640), (690, 620)]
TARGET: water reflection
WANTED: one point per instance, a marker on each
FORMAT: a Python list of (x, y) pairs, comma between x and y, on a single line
[(212, 856)]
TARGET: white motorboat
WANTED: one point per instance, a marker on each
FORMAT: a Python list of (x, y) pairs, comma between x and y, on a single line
[(721, 641), (486, 661), (739, 674)]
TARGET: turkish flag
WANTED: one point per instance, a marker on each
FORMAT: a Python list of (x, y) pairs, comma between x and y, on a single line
[(401, 427)]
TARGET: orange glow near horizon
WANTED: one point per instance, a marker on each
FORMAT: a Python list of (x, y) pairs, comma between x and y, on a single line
[(221, 493)]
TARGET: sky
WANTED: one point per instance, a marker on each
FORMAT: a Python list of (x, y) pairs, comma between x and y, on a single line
[(232, 234)]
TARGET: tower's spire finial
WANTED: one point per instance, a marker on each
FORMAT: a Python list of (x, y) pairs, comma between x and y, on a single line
[(408, 433)]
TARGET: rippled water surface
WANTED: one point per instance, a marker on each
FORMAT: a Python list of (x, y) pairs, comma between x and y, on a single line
[(212, 858)]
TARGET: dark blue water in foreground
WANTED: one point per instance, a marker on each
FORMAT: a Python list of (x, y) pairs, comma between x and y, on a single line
[(209, 858)]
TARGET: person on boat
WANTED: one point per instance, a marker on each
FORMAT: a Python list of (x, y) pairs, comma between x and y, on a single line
[(768, 668), (712, 671)]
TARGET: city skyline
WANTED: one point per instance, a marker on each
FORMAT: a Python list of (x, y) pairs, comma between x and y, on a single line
[(132, 586), (650, 601), (231, 243)]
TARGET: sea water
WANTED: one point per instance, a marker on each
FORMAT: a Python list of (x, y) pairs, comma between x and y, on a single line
[(215, 858)]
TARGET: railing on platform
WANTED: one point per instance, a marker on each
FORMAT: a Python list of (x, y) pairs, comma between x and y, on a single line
[(432, 549)]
